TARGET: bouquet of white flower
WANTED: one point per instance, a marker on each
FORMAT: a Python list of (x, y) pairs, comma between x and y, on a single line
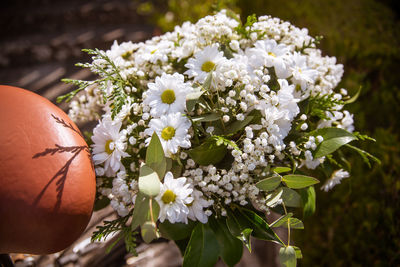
[(204, 130)]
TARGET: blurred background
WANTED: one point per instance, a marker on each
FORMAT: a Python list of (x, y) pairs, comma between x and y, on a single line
[(357, 223)]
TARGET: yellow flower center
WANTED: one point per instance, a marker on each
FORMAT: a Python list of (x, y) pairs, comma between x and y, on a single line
[(271, 54), (107, 147), (208, 66), (127, 55), (167, 133), (168, 196), (168, 96)]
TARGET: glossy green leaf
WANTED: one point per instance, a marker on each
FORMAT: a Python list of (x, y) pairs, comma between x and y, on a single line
[(334, 138), (261, 229), (208, 153), (176, 231), (287, 256), (243, 234), (281, 169), (155, 157), (274, 198), (149, 231), (202, 249), (206, 117), (149, 183), (269, 184), (231, 248), (238, 125), (296, 181), (291, 198), (308, 198)]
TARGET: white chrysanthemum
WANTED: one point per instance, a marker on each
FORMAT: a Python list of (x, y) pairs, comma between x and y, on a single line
[(270, 54), (172, 129), (203, 62), (109, 145), (335, 179), (196, 211), (167, 95), (302, 74), (173, 199)]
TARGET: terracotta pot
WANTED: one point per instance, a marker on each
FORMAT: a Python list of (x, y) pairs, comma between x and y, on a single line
[(47, 181)]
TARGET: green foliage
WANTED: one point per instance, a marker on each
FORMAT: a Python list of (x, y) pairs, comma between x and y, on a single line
[(208, 152), (203, 248), (334, 138), (295, 181), (270, 183)]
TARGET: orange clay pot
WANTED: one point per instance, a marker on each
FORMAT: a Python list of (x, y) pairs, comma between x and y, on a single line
[(47, 181)]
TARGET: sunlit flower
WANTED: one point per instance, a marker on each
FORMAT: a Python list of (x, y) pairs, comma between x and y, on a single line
[(196, 207), (172, 129), (109, 145), (204, 62), (167, 95), (173, 199)]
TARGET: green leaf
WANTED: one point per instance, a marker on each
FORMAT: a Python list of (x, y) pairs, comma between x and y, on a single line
[(176, 231), (261, 229), (149, 231), (274, 198), (281, 169), (206, 117), (334, 138), (281, 220), (308, 198), (298, 252), (284, 220), (208, 153), (231, 249), (140, 210), (354, 97), (287, 256), (192, 99), (238, 125), (155, 157), (296, 181), (149, 183), (243, 234), (291, 198), (269, 184), (203, 248)]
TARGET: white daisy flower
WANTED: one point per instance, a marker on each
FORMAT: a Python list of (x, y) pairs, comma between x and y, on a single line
[(203, 62), (173, 199), (302, 74), (270, 54), (167, 95), (335, 179), (196, 211), (109, 145), (172, 129)]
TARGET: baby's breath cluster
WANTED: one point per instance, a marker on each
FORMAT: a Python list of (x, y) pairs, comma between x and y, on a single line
[(229, 102)]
